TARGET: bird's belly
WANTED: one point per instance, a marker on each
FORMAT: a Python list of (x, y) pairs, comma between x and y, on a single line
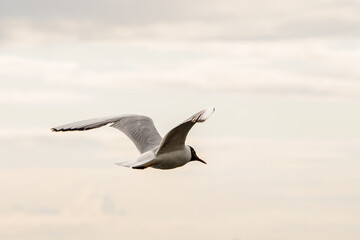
[(170, 160)]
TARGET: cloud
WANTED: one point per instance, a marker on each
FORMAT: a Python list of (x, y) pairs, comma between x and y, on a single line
[(297, 49), (290, 50), (297, 69), (199, 20), (91, 204), (14, 97), (267, 184)]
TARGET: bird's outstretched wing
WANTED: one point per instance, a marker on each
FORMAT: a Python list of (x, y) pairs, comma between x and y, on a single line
[(140, 129), (175, 139)]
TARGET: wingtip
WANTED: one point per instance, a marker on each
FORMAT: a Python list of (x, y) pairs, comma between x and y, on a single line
[(202, 115), (56, 129), (211, 109), (207, 113)]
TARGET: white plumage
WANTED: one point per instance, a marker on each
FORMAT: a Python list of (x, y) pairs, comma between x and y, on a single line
[(157, 152)]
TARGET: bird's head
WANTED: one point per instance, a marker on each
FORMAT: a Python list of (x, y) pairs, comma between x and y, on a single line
[(194, 157)]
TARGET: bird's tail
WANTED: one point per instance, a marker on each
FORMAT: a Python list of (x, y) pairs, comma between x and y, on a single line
[(134, 164)]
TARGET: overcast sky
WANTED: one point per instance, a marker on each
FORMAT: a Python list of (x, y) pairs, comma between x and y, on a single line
[(282, 146)]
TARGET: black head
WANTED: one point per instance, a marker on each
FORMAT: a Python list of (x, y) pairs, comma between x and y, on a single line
[(194, 157)]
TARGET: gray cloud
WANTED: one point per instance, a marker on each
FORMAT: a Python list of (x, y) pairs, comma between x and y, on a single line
[(117, 12), (199, 20), (146, 45)]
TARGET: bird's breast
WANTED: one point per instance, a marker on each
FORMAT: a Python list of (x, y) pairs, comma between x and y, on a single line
[(172, 159)]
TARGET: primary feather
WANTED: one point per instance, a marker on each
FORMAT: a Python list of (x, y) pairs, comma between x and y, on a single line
[(140, 129)]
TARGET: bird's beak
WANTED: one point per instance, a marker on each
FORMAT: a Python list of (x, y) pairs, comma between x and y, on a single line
[(202, 161), (196, 158)]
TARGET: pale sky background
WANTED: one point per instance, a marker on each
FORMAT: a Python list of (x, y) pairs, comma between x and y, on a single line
[(282, 147)]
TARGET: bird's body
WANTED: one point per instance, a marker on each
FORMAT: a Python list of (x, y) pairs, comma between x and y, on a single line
[(173, 159), (156, 152), (166, 160)]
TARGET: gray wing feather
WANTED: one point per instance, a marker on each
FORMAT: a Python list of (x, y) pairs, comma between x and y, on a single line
[(140, 129), (175, 138)]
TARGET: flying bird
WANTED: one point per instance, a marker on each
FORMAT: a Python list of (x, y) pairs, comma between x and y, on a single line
[(156, 152)]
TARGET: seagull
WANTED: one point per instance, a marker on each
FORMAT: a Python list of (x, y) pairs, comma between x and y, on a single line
[(156, 152)]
